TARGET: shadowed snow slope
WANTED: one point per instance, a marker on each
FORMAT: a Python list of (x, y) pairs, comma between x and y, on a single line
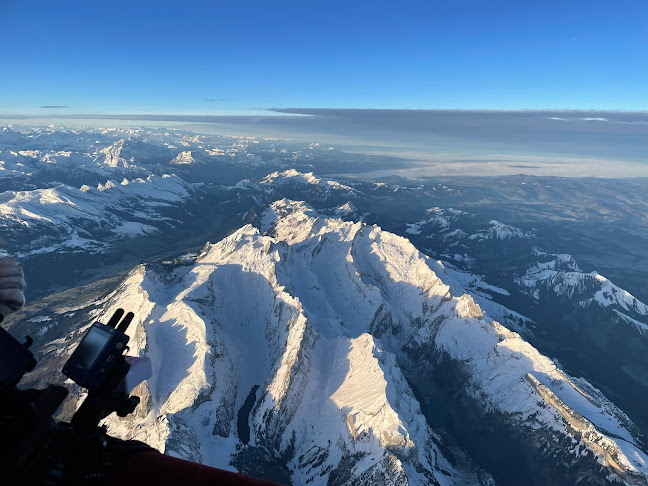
[(344, 327)]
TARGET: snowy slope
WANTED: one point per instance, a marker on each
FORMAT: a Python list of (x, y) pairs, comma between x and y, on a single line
[(112, 155), (293, 175), (305, 182), (462, 282), (328, 318), (315, 412), (438, 220), (501, 231), (445, 221), (559, 275), (39, 155), (47, 220), (183, 158)]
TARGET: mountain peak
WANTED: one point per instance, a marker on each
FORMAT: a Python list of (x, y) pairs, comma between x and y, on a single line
[(113, 156), (183, 158), (301, 318)]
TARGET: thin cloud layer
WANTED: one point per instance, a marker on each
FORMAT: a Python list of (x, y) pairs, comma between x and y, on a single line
[(610, 136), (605, 134)]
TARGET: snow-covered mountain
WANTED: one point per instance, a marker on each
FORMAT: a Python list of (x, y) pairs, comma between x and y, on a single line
[(444, 221), (465, 238), (183, 158), (559, 276), (88, 219), (319, 351), (113, 156), (439, 219), (356, 358), (304, 184), (30, 156), (501, 231)]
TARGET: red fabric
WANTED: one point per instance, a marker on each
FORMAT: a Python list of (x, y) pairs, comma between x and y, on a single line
[(150, 467)]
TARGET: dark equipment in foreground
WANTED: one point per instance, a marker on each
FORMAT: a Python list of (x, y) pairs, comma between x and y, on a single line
[(36, 449)]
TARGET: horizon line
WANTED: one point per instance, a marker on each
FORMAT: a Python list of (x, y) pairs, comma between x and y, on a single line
[(303, 111)]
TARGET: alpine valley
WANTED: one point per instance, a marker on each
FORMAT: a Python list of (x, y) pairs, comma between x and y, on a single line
[(310, 328)]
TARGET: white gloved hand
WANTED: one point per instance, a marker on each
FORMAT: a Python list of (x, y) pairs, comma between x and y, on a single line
[(12, 286)]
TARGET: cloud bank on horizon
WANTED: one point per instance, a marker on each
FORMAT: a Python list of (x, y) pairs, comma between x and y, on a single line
[(482, 142)]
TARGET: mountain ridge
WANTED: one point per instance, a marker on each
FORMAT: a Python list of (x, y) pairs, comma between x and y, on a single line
[(453, 326)]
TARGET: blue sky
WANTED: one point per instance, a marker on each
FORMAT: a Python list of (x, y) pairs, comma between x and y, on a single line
[(238, 57)]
